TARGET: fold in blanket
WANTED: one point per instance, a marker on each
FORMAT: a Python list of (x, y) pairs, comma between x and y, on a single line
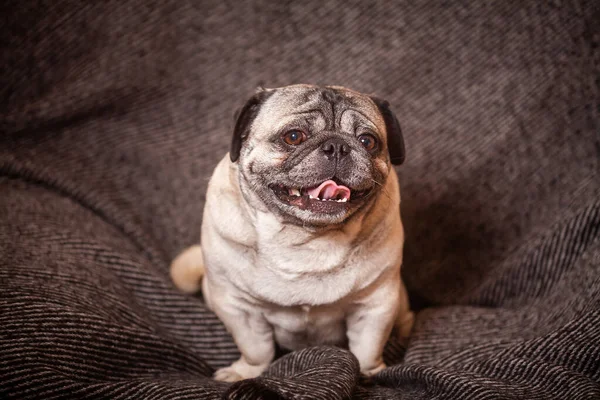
[(113, 115)]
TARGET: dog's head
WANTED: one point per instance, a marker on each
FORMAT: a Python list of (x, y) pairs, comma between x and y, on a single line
[(315, 155)]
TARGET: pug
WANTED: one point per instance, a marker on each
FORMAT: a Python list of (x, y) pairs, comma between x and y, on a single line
[(301, 234)]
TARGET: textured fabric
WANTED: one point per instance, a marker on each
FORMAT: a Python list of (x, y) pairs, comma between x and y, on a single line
[(114, 113)]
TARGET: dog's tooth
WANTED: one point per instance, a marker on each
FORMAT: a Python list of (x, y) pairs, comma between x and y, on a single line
[(295, 192), (310, 197), (344, 200)]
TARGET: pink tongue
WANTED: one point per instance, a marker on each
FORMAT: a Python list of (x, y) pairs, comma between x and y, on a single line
[(329, 190)]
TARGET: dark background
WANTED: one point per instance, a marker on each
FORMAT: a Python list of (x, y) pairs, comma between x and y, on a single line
[(494, 100), (114, 113)]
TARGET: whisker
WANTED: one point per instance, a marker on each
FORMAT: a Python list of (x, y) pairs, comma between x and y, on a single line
[(382, 188)]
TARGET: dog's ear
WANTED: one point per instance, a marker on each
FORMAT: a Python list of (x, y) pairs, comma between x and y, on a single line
[(243, 121), (395, 140)]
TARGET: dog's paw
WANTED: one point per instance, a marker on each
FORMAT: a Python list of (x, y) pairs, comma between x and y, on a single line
[(227, 374), (239, 370), (374, 370)]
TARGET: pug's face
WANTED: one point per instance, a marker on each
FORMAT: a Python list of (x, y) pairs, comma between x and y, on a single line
[(315, 155)]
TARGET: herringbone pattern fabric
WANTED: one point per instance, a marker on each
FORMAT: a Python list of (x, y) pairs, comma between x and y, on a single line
[(113, 115)]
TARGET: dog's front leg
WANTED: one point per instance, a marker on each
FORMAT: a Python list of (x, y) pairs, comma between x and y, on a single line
[(369, 325), (253, 336)]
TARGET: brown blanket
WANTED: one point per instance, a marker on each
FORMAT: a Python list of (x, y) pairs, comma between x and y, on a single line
[(114, 113)]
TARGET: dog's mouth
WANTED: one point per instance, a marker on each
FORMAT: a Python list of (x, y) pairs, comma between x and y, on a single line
[(327, 197)]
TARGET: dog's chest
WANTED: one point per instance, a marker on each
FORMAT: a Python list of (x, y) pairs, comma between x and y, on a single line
[(299, 327), (311, 272), (295, 251), (319, 256)]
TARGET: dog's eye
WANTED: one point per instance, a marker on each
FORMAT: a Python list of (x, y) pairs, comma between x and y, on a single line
[(294, 137), (368, 141)]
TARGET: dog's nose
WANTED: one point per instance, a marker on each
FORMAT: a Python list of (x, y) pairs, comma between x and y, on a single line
[(335, 148)]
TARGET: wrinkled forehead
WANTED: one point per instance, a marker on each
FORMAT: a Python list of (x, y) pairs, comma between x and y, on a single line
[(326, 107)]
